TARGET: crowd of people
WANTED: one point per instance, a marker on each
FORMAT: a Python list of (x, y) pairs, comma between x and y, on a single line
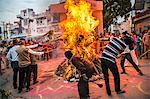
[(21, 56), (141, 41), (118, 46)]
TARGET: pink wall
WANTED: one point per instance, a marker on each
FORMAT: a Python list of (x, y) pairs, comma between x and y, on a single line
[(97, 7)]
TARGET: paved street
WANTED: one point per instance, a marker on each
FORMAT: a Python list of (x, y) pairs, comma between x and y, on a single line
[(52, 87)]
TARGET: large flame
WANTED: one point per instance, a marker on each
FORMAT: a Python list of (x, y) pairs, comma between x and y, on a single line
[(78, 35)]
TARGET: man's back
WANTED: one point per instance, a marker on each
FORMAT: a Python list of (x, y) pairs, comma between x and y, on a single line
[(23, 56), (83, 66), (113, 48), (12, 53)]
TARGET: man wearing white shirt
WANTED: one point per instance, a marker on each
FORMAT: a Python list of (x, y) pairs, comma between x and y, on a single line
[(126, 54), (12, 56)]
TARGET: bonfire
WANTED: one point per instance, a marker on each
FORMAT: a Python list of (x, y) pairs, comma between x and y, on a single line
[(78, 35), (79, 29)]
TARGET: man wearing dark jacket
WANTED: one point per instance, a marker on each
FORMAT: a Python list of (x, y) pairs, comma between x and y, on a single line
[(86, 69)]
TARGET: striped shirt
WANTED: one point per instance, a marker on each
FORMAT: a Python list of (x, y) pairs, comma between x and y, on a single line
[(113, 48)]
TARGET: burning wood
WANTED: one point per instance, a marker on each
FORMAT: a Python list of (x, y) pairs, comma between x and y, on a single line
[(78, 35)]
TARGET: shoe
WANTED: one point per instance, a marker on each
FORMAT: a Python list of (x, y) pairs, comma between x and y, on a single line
[(19, 91), (35, 82), (28, 89), (121, 91), (123, 72), (109, 93), (15, 86), (140, 73)]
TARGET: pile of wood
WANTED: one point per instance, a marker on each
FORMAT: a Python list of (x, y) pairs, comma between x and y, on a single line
[(70, 73)]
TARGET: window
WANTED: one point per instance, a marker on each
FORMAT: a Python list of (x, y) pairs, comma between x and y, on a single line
[(56, 17), (25, 22), (37, 22), (24, 13)]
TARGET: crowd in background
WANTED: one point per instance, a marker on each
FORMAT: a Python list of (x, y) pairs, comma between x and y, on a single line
[(21, 55), (112, 46), (141, 40), (6, 45)]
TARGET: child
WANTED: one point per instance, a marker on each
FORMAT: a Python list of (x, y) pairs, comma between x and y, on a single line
[(34, 68)]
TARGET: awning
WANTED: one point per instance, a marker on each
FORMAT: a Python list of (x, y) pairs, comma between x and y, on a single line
[(18, 36)]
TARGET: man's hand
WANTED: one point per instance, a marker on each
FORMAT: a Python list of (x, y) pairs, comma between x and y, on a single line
[(119, 55)]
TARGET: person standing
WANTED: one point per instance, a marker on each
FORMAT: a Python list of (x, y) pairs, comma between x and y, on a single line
[(146, 41), (108, 61), (1, 60), (126, 54), (24, 64), (138, 45), (12, 56), (34, 68), (86, 70)]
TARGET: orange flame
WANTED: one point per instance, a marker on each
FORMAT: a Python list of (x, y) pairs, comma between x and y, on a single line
[(78, 35)]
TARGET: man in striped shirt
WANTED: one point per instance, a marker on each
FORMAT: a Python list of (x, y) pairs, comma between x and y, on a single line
[(108, 61)]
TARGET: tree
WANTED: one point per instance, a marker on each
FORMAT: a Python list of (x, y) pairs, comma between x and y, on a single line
[(115, 8)]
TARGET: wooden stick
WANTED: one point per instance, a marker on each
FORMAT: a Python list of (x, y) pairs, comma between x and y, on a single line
[(144, 53)]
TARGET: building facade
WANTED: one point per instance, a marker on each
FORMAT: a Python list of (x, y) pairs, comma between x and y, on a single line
[(141, 20), (58, 13), (31, 24), (40, 23), (26, 21)]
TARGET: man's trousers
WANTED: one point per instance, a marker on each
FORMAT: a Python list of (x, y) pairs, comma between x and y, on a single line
[(129, 58), (15, 67), (34, 69), (113, 68), (83, 89), (24, 74)]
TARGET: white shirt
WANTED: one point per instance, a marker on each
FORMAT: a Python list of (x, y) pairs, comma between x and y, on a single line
[(12, 55), (34, 52), (127, 50)]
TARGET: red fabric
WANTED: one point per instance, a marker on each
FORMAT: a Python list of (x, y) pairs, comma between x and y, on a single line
[(45, 45), (134, 37)]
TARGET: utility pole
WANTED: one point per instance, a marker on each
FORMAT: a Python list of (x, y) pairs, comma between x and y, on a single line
[(20, 24), (7, 30), (0, 33), (3, 23)]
